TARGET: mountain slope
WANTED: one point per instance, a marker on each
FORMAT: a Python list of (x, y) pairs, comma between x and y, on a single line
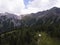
[(9, 22), (48, 16)]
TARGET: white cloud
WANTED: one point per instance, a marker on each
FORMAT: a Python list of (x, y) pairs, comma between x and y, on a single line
[(58, 3), (29, 10), (12, 6), (42, 4), (17, 6)]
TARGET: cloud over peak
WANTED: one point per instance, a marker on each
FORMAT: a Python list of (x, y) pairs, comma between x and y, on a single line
[(33, 6)]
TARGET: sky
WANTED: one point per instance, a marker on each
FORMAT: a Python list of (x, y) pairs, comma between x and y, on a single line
[(27, 6)]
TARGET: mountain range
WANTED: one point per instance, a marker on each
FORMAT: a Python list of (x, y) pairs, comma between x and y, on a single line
[(10, 21), (49, 16)]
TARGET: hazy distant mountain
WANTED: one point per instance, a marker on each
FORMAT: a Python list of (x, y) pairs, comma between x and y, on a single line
[(9, 15), (9, 22)]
